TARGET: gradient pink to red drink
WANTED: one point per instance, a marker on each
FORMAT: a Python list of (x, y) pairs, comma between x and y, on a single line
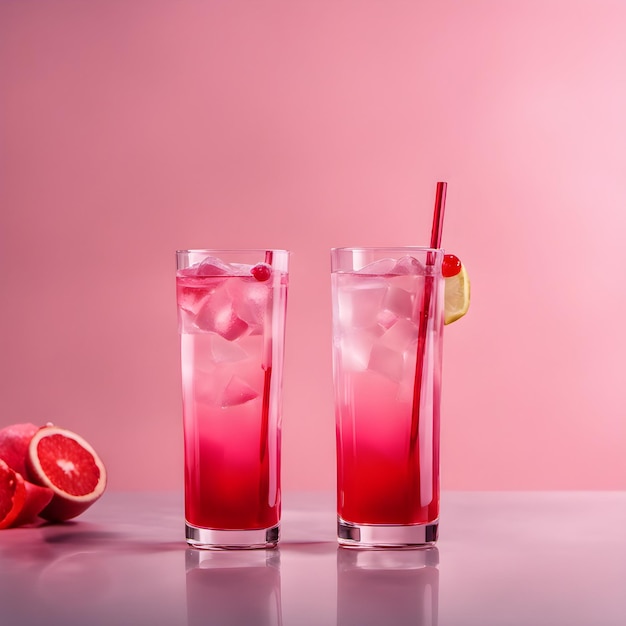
[(231, 321), (387, 442)]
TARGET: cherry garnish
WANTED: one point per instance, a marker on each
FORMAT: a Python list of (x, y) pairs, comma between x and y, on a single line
[(451, 265), (261, 271)]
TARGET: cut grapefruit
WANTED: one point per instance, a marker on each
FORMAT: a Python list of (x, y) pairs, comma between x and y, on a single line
[(14, 442), (65, 463), (12, 495), (37, 498)]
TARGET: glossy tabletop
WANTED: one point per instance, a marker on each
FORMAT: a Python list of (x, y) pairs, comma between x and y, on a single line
[(527, 559)]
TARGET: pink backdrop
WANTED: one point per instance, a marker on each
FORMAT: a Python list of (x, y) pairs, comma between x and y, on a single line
[(131, 128)]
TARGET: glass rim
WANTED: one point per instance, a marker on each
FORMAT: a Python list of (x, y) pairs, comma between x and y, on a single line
[(229, 250), (385, 248)]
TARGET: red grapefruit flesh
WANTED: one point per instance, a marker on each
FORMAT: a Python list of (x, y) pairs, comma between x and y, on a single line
[(65, 463), (14, 442), (12, 495)]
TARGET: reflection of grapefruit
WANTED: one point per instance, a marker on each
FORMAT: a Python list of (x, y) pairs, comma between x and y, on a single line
[(12, 495), (75, 582), (67, 464)]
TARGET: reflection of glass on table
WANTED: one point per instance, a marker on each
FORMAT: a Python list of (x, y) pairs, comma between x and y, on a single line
[(398, 587), (233, 588)]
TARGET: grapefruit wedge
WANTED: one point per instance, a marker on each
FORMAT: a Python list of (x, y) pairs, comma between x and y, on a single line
[(37, 498), (65, 463), (12, 495)]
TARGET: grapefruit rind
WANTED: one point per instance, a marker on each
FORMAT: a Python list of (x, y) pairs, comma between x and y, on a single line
[(63, 505), (14, 440), (36, 500)]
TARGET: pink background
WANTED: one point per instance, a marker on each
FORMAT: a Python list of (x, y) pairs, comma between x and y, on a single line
[(131, 128)]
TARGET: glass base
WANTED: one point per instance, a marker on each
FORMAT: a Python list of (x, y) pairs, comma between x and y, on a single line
[(211, 539), (396, 537)]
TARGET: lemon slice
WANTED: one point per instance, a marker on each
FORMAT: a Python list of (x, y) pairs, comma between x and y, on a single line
[(457, 296)]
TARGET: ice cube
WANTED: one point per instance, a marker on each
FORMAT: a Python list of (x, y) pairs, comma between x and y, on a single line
[(355, 349), (185, 322), (412, 283), (192, 293), (251, 301), (218, 315), (386, 319), (231, 327), (237, 392), (199, 374), (401, 336), (398, 301), (192, 270), (408, 265), (241, 269), (387, 362), (224, 351), (360, 301), (212, 266), (378, 268)]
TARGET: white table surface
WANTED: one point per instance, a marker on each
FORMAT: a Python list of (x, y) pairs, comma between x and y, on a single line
[(527, 559)]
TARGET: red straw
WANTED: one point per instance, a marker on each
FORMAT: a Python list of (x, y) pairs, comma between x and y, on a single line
[(435, 242), (267, 383), (440, 207), (267, 377)]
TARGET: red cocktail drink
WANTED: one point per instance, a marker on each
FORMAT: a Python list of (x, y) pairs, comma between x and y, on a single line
[(387, 310), (231, 320)]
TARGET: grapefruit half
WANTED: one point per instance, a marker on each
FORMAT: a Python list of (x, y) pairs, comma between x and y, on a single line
[(64, 462)]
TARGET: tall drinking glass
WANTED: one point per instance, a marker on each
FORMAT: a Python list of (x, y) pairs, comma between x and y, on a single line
[(387, 347), (231, 318)]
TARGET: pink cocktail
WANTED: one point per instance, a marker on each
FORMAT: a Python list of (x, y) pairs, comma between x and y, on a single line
[(387, 348), (231, 307)]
